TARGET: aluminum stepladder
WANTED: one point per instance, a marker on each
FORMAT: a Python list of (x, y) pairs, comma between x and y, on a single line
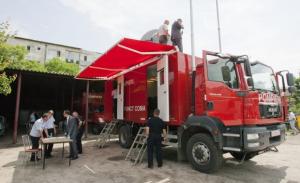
[(138, 148), (105, 133)]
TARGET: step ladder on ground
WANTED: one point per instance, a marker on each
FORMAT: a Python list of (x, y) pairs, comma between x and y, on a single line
[(138, 148), (105, 134)]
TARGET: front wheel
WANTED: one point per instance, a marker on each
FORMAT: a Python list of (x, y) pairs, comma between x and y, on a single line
[(203, 153)]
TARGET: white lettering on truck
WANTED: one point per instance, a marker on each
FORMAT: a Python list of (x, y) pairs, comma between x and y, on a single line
[(269, 98), (137, 108)]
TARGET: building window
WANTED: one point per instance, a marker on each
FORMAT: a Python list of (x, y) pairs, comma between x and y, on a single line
[(28, 48), (38, 48), (58, 53), (85, 58)]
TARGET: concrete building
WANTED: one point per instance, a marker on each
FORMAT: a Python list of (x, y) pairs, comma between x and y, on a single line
[(42, 51)]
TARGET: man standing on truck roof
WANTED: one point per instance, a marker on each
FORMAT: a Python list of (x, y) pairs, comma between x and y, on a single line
[(176, 34), (163, 32), (154, 130)]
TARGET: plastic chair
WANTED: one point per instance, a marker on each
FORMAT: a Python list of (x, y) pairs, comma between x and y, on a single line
[(28, 150)]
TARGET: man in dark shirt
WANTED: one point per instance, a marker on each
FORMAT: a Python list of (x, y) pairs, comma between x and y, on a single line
[(81, 127), (176, 34), (155, 128)]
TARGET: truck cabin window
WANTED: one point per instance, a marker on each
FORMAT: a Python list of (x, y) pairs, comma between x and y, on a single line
[(214, 67), (263, 77)]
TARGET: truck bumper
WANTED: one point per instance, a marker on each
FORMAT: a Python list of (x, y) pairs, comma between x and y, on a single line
[(260, 138)]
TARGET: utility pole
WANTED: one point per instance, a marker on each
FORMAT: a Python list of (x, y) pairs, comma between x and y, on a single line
[(192, 36), (219, 27), (193, 108)]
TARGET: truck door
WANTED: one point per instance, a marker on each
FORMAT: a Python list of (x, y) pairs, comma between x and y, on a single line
[(163, 88), (224, 99), (120, 98)]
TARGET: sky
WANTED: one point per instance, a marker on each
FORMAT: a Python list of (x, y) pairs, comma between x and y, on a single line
[(265, 30)]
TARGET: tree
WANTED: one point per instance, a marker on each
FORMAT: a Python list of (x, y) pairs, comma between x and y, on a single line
[(8, 54), (28, 65), (60, 66), (295, 98)]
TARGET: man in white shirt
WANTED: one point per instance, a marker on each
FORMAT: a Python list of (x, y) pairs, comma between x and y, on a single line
[(36, 133), (292, 121), (50, 128), (163, 32)]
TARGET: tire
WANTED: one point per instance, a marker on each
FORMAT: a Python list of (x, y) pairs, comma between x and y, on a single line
[(125, 136), (239, 156), (203, 153)]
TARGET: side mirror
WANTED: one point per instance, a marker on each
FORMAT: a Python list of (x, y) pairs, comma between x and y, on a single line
[(247, 68), (226, 73), (290, 79), (292, 89), (250, 82)]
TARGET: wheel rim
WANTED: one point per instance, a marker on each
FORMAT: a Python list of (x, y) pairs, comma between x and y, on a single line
[(201, 153)]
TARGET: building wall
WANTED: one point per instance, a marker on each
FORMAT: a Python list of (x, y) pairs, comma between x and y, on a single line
[(43, 51)]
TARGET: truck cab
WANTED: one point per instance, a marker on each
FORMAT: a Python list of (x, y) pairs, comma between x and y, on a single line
[(238, 106)]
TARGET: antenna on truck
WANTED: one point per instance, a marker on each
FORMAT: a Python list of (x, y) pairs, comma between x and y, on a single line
[(219, 27)]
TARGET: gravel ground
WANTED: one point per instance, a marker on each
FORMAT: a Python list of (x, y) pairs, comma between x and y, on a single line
[(107, 165)]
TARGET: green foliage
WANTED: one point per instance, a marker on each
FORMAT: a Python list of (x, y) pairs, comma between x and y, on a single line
[(5, 82), (28, 65), (8, 55), (60, 66), (295, 99)]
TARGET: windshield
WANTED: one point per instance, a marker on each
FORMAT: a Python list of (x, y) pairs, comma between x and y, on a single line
[(263, 77)]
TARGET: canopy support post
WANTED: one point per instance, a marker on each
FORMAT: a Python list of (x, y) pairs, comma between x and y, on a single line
[(17, 109), (87, 108)]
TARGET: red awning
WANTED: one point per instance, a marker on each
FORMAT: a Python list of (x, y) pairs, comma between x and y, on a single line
[(125, 56)]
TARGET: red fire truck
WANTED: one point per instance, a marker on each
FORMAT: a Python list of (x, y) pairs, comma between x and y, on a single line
[(226, 104), (95, 113)]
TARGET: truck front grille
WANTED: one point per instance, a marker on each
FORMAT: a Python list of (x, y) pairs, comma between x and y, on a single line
[(269, 111)]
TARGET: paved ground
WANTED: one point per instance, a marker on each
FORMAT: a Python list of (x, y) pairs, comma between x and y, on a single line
[(108, 166)]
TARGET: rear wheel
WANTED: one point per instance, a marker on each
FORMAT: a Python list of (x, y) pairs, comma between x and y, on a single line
[(239, 156), (203, 153), (125, 136)]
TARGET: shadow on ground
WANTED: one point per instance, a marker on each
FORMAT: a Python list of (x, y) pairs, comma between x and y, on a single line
[(108, 165)]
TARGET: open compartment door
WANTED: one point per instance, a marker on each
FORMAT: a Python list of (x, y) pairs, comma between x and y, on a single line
[(163, 88), (120, 97)]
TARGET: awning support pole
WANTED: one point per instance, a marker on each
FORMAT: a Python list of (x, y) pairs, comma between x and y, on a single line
[(72, 95), (87, 108), (17, 110)]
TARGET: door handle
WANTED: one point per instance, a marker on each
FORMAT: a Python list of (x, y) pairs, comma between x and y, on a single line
[(210, 105)]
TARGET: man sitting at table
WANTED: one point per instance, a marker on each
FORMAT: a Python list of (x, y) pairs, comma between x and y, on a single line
[(36, 133), (72, 130)]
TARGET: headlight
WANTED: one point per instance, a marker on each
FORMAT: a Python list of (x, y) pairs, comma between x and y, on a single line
[(101, 120), (252, 136), (256, 144)]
